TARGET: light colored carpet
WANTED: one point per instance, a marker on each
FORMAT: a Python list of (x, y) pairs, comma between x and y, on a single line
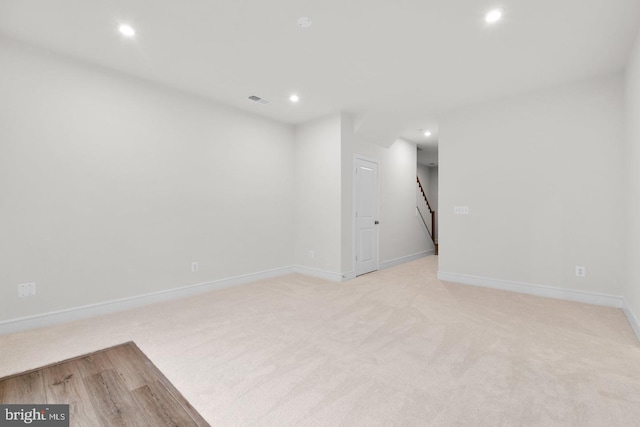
[(396, 347)]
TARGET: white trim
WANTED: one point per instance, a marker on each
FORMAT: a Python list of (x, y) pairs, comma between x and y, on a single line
[(531, 289), (407, 258), (322, 274), (348, 276), (631, 317), (91, 310), (354, 223), (83, 312)]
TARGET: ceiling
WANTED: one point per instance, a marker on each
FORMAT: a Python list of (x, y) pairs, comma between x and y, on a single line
[(395, 65)]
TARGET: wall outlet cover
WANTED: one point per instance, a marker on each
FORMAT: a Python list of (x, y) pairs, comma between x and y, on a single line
[(26, 289)]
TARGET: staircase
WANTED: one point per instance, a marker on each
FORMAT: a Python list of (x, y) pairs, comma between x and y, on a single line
[(430, 229)]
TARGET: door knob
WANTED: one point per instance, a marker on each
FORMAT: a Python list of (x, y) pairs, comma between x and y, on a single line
[(377, 222)]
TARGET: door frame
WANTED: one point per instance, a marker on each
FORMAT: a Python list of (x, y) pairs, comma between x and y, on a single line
[(357, 157)]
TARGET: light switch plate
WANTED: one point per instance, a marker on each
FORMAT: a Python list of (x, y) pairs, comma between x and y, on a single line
[(461, 210)]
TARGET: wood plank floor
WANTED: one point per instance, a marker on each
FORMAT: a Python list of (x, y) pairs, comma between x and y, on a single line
[(117, 386)]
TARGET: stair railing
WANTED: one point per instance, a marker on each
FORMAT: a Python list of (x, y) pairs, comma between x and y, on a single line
[(431, 232)]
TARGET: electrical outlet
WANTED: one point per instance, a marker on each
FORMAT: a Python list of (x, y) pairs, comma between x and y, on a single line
[(312, 254), (26, 289), (461, 210), (581, 271), (195, 266)]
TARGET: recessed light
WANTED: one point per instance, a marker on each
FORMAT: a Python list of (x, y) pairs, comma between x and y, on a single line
[(294, 98), (127, 30), (493, 16), (427, 133), (304, 22)]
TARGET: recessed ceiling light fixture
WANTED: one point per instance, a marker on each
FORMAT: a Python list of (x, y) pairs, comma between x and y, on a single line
[(427, 133), (294, 98), (127, 30), (493, 16)]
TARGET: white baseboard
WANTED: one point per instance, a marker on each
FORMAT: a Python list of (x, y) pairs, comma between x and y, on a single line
[(537, 290), (407, 258), (337, 277), (83, 312), (633, 320), (348, 276), (322, 274), (77, 313)]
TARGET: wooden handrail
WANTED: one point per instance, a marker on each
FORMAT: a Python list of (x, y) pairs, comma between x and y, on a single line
[(432, 233), (424, 194)]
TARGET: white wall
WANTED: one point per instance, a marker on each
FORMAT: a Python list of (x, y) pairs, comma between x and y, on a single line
[(401, 234), (347, 131), (110, 187), (543, 177), (318, 194), (632, 290), (428, 154)]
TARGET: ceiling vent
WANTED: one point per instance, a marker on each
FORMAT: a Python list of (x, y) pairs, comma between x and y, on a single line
[(258, 99)]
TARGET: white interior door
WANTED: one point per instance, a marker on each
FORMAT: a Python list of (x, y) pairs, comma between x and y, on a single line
[(366, 216)]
